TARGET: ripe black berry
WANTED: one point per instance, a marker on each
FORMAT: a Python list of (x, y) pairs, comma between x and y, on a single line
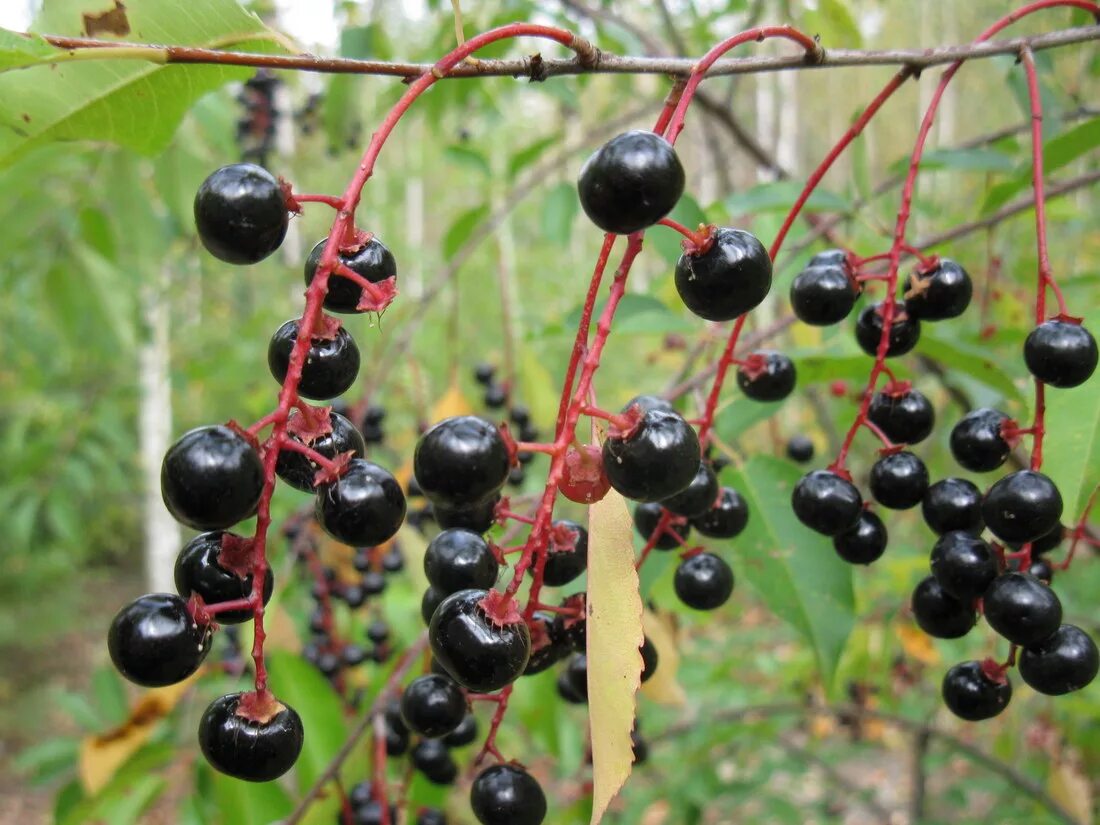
[(703, 581), (1061, 353), (549, 642), (899, 480), (828, 256), (649, 402), (364, 507), (373, 261), (977, 441), (905, 418), (298, 471), (1022, 609), (464, 734), (481, 652), (154, 641), (507, 795), (826, 503), (800, 448), (824, 293), (483, 373), (658, 458), (904, 330), (198, 571), (863, 543), (766, 376), (432, 758), (566, 553), (631, 182), (331, 365), (940, 293), (430, 816), (646, 517), (368, 812), (639, 747), (567, 692), (650, 659), (431, 599), (1043, 570), (477, 518), (575, 676), (963, 564), (211, 478), (698, 497), (461, 461), (939, 613), (953, 504), (458, 559), (1022, 506), (732, 277), (495, 396), (972, 695), (241, 214), (1046, 542), (432, 705), (1066, 661), (250, 749), (726, 518)]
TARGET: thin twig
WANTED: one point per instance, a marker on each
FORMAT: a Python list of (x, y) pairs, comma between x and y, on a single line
[(865, 796)]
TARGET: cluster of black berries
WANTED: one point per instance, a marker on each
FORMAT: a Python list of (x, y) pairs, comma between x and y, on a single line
[(256, 126), (496, 397), (366, 809)]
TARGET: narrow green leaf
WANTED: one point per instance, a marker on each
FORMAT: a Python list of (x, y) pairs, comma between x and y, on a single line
[(249, 803), (469, 157), (978, 159), (795, 570), (972, 357), (46, 758), (460, 229), (559, 208), (740, 414), (110, 695), (18, 50), (530, 153), (1071, 452)]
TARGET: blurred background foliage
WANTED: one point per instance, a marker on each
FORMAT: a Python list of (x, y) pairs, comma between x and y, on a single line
[(478, 188)]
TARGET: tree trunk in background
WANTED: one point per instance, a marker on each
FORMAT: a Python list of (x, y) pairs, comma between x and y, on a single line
[(162, 533)]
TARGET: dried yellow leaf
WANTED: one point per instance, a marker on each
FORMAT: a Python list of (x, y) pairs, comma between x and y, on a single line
[(662, 686), (1070, 788), (917, 644)]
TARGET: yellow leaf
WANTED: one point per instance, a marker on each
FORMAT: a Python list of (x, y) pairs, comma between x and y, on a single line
[(452, 403), (1070, 788), (662, 686), (614, 639), (917, 644), (101, 756)]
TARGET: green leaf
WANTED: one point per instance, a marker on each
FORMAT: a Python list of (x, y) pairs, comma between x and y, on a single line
[(110, 695), (468, 157), (667, 241), (740, 414), (47, 758), (18, 50), (1071, 450), (559, 209), (780, 196), (135, 103), (249, 803), (460, 229), (815, 368), (972, 357), (834, 24), (978, 159), (630, 307), (530, 153), (796, 571), (81, 710)]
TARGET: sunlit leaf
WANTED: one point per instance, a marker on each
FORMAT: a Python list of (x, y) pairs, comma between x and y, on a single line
[(1071, 449)]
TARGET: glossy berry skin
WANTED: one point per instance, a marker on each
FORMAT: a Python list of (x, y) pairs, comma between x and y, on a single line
[(698, 497), (964, 565), (904, 330), (241, 214), (800, 448), (575, 676), (247, 749), (363, 508), (726, 518), (211, 478), (368, 812), (568, 558), (939, 613), (1043, 570), (732, 277), (477, 518), (1046, 542), (583, 479), (899, 480), (432, 758), (953, 504), (461, 461), (656, 460), (432, 705), (507, 795), (197, 571), (481, 655), (567, 692), (941, 293), (431, 599), (153, 641), (630, 182), (1022, 609), (372, 261), (973, 696), (774, 383), (458, 559), (863, 543), (976, 441), (549, 642), (331, 366), (826, 503), (650, 659), (649, 402), (1060, 353), (298, 471), (464, 734), (646, 517), (907, 418), (828, 256), (1022, 506), (430, 816), (703, 582), (824, 294), (1064, 662)]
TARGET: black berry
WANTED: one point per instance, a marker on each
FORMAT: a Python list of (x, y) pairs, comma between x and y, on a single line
[(432, 758), (939, 613), (972, 695), (483, 373), (863, 543), (566, 553), (899, 480), (464, 734), (800, 448), (575, 676), (1046, 542), (726, 518), (953, 504), (650, 659), (477, 518), (154, 641), (1022, 506), (507, 795), (298, 471), (1022, 609), (1064, 662), (649, 402), (458, 559), (567, 692), (495, 396), (431, 816), (331, 365), (646, 517), (904, 330), (369, 812), (698, 497), (241, 214), (372, 261), (364, 507), (977, 441), (431, 599), (824, 293), (461, 461), (703, 581), (483, 653), (631, 182), (658, 458), (199, 571), (432, 705), (732, 277), (1060, 353), (963, 564), (549, 642), (904, 417), (246, 748), (940, 293), (211, 478), (766, 376), (1043, 570), (826, 503)]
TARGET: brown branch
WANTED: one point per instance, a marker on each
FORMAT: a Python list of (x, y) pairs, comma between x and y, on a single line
[(865, 796), (588, 62)]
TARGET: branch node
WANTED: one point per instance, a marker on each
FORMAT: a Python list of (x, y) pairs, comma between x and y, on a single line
[(587, 54)]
